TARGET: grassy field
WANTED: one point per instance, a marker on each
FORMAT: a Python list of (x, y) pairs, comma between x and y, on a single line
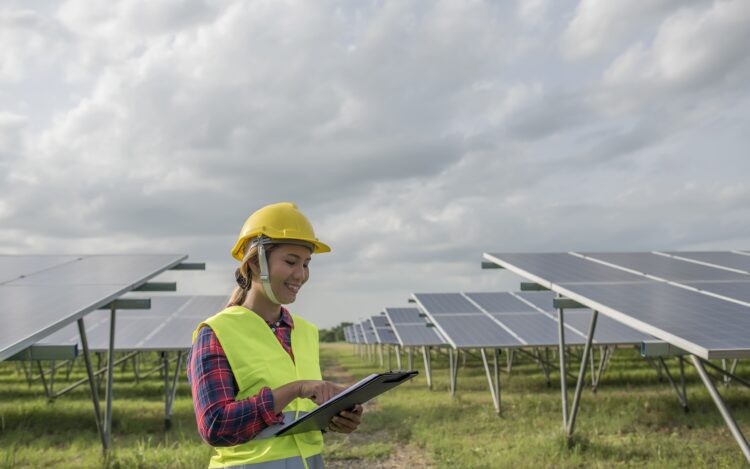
[(632, 421)]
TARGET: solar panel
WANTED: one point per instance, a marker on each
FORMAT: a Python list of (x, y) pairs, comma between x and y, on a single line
[(445, 303), (463, 324), (560, 267), (500, 302), (665, 267), (14, 267), (706, 326), (538, 330), (369, 332), (167, 326), (541, 299), (720, 258), (411, 329), (735, 290), (383, 330)]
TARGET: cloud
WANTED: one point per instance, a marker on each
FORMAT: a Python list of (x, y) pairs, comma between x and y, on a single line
[(416, 134)]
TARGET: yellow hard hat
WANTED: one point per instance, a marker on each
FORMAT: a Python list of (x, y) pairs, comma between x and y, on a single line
[(281, 221)]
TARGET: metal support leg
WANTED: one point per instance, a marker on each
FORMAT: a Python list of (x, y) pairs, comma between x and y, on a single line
[(563, 369), (736, 432), (451, 366), (92, 384), (110, 376), (582, 374), (427, 365), (169, 394), (509, 360), (495, 398), (680, 396), (44, 380)]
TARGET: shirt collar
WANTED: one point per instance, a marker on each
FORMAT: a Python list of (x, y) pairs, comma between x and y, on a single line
[(286, 318)]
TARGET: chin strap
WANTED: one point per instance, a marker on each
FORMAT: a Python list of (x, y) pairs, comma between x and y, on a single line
[(265, 276)]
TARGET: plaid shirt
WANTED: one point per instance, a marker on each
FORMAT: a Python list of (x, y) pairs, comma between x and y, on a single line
[(223, 421)]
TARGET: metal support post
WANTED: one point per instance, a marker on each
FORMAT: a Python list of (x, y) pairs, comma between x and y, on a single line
[(92, 384), (427, 365), (495, 396), (680, 395), (110, 376), (509, 360), (563, 369), (169, 394), (582, 373), (41, 375), (733, 428)]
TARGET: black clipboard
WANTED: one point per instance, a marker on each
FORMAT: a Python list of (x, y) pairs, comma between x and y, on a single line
[(359, 393)]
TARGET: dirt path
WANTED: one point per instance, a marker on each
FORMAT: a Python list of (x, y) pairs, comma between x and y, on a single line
[(402, 457)]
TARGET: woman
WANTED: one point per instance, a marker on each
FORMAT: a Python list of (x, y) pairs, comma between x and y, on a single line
[(254, 365)]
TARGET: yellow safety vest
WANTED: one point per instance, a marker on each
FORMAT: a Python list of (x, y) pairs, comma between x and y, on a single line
[(258, 360)]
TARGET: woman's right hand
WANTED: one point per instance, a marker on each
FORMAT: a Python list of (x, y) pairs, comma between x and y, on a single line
[(318, 391)]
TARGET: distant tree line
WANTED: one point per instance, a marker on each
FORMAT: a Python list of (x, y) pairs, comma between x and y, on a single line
[(334, 334)]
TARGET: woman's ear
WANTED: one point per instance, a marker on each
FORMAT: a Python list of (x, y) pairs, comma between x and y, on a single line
[(254, 267)]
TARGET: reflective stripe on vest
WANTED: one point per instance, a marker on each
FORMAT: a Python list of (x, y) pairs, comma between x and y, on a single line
[(258, 360), (314, 462)]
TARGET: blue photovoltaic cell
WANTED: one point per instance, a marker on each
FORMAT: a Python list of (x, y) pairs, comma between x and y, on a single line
[(735, 290), (722, 258), (538, 330), (13, 267), (445, 303), (369, 332), (475, 331), (540, 299), (666, 267), (411, 329), (383, 330), (564, 267), (500, 302), (608, 331), (167, 326), (708, 323), (403, 315)]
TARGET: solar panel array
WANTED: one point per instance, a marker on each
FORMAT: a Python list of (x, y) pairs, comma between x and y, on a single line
[(514, 320), (697, 301), (61, 289), (167, 326)]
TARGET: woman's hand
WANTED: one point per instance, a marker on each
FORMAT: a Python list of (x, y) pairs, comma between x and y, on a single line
[(318, 391), (347, 421)]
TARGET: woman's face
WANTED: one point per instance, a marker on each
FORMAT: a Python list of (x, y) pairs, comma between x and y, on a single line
[(288, 266)]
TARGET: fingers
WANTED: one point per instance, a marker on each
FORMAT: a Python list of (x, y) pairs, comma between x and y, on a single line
[(343, 424)]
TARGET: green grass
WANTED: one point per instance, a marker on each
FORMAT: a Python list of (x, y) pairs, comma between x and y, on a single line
[(633, 421)]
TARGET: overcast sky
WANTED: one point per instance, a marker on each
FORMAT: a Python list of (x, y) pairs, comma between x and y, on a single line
[(416, 135)]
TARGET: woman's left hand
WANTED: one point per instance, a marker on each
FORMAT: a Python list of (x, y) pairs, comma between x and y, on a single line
[(347, 421)]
